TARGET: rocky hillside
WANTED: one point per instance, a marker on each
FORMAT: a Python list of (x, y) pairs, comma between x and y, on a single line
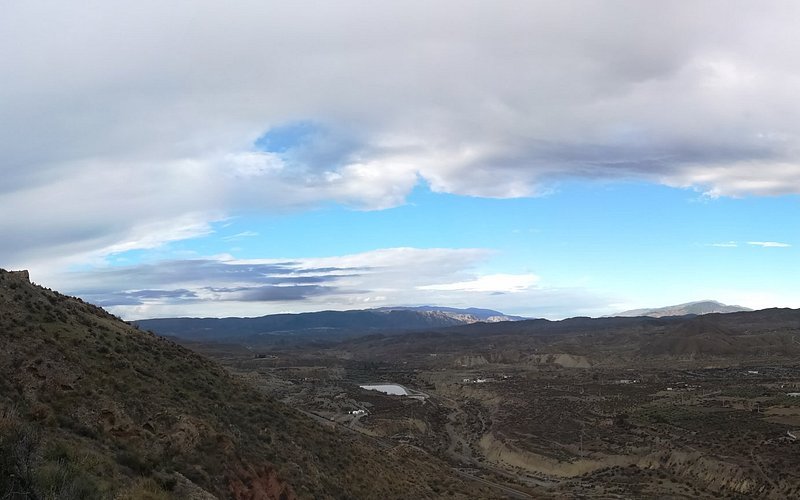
[(91, 407), (730, 338), (469, 315), (694, 308)]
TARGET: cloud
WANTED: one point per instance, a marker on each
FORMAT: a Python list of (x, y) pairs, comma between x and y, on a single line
[(136, 297), (201, 281), (238, 236), (769, 244), (763, 244), (159, 123), (385, 277), (271, 293), (502, 283)]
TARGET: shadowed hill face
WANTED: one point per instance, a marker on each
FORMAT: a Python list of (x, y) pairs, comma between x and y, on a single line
[(695, 337), (93, 408), (321, 325)]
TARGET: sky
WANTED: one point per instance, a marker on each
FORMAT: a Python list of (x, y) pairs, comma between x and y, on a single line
[(545, 159)]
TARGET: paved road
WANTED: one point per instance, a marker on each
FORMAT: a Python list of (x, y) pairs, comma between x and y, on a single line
[(332, 424)]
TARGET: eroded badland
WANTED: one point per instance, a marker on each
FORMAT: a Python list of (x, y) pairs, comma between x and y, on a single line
[(693, 407)]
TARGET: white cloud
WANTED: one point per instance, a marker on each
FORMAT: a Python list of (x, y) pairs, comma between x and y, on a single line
[(243, 234), (505, 283), (769, 244), (118, 116), (739, 178), (763, 244)]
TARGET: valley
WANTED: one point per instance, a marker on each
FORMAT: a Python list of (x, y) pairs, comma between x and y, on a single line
[(674, 407), (679, 407)]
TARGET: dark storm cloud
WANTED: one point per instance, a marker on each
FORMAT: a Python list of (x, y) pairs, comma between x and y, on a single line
[(274, 282), (136, 297)]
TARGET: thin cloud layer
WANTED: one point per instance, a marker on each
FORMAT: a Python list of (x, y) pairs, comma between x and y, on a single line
[(762, 244), (494, 283), (387, 277), (125, 125), (769, 244)]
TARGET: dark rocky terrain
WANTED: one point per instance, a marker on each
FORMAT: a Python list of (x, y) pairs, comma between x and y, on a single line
[(676, 407)]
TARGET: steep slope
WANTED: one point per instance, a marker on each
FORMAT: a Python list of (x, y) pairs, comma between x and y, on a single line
[(696, 308), (91, 407), (695, 337)]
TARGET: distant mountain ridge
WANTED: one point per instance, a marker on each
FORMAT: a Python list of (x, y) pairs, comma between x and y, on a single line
[(323, 324), (469, 315), (697, 308), (772, 334)]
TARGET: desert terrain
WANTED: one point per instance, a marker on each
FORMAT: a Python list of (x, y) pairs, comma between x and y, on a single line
[(690, 407)]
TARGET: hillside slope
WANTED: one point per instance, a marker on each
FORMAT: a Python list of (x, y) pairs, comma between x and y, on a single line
[(91, 407), (696, 308), (769, 334)]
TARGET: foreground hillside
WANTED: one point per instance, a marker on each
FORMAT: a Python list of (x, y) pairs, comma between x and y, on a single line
[(91, 407)]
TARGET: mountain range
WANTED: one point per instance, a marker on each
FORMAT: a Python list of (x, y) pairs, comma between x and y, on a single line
[(695, 308), (323, 325), (723, 339), (336, 325)]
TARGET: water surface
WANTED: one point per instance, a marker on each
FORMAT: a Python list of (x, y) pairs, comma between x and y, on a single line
[(393, 389)]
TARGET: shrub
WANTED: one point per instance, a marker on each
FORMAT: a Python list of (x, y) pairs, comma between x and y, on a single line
[(136, 462), (143, 489)]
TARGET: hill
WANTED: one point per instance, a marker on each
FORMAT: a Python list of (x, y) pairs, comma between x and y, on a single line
[(727, 338), (695, 308), (674, 407), (323, 325), (91, 407)]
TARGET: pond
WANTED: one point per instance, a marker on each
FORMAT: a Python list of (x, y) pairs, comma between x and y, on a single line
[(393, 389)]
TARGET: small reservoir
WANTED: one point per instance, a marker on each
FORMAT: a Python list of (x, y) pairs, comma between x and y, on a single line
[(392, 389)]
